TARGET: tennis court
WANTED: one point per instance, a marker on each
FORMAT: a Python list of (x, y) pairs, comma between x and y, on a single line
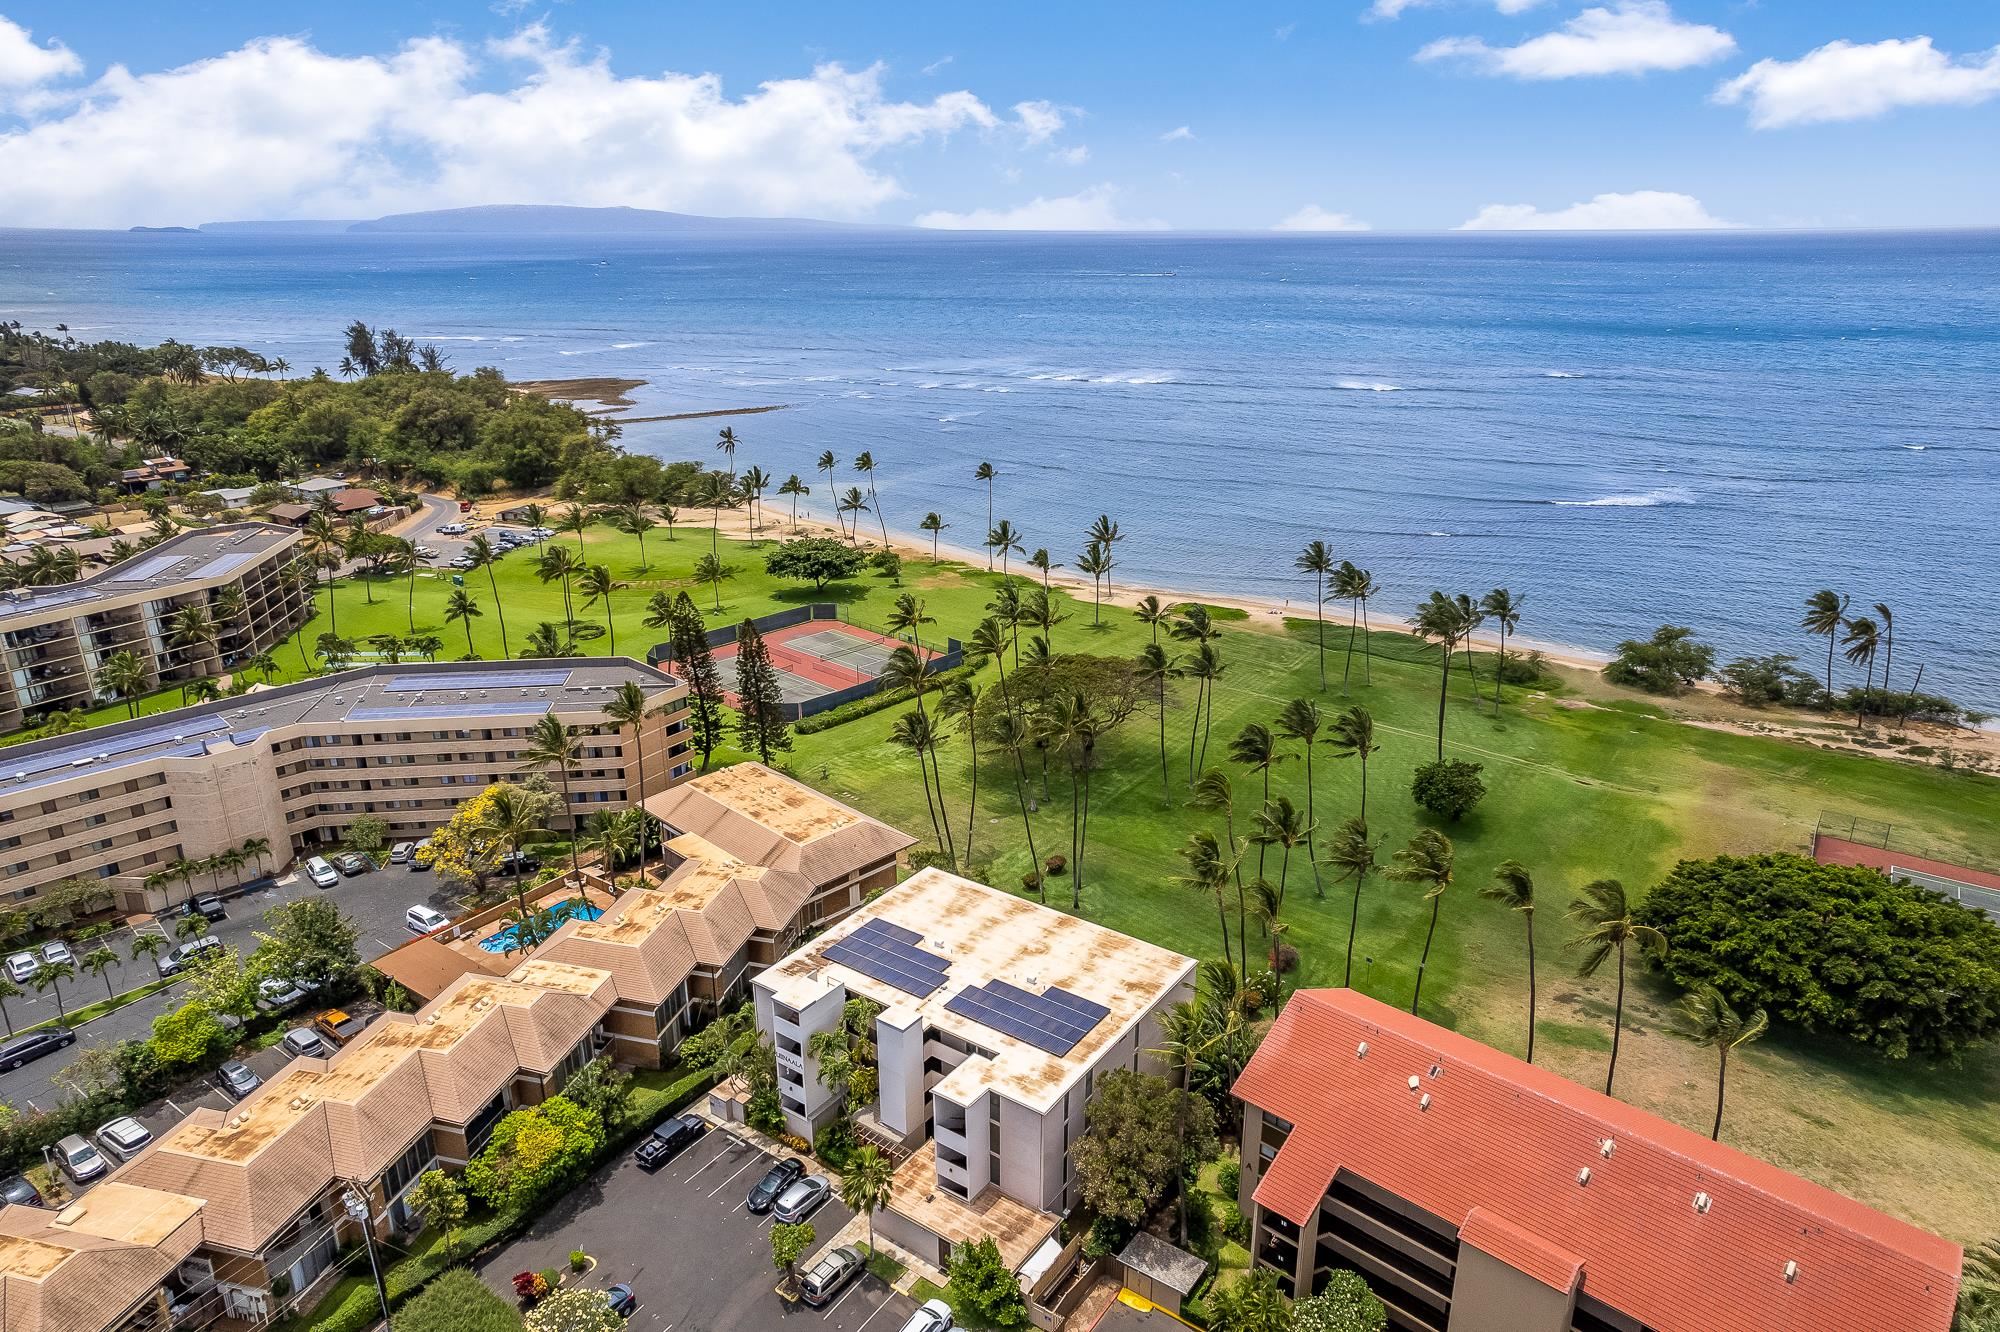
[(820, 657), (1976, 888), (1967, 894)]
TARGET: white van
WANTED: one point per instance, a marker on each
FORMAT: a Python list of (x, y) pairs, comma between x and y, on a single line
[(423, 919), (322, 874)]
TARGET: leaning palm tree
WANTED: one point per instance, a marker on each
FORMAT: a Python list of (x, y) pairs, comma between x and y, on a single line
[(1213, 791), (933, 523), (755, 482), (829, 464), (551, 745), (1105, 536), (1152, 613), (907, 616), (1039, 559), (908, 669), (1317, 560), (627, 706), (559, 564), (50, 976), (913, 731), (1425, 863), (1156, 668), (1351, 855), (597, 584), (1352, 735), (1302, 720), (1438, 620), (958, 702), (514, 817), (867, 1185), (1208, 871), (986, 472), (1605, 926), (98, 962), (794, 487), (1280, 824), (1862, 641), (1826, 615), (1888, 619), (1255, 747), (1355, 585), (1708, 1020), (1514, 888), (1003, 539), (1504, 609), (634, 519), (483, 556), (864, 463)]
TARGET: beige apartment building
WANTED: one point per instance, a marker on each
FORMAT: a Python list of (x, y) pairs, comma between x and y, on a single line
[(296, 764), (998, 1016), (55, 638)]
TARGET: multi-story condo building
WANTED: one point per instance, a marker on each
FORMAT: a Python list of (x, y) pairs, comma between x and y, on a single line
[(1477, 1193), (752, 859), (998, 1016), (296, 764), (55, 638)]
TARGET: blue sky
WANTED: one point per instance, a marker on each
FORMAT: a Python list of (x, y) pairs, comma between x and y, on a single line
[(1391, 114)]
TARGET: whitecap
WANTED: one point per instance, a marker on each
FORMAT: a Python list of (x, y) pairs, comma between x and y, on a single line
[(1561, 374), (1643, 500), (1368, 386), (820, 379), (628, 346), (857, 393), (930, 383), (1916, 448)]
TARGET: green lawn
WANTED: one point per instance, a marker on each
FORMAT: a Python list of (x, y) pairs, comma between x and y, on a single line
[(1583, 784)]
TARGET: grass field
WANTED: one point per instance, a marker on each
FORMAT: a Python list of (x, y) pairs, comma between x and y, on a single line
[(1584, 782)]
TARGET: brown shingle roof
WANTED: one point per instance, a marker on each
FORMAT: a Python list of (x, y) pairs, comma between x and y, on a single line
[(765, 818)]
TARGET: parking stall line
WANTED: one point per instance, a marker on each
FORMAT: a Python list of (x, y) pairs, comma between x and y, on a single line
[(886, 1302), (739, 1170), (728, 1145), (835, 1306)]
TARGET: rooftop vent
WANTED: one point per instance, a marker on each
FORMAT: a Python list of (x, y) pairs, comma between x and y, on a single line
[(1415, 1082), (1605, 1147), (72, 1214), (1361, 1050), (1437, 1070), (1424, 1101), (1701, 1201), (1791, 1272), (1583, 1177)]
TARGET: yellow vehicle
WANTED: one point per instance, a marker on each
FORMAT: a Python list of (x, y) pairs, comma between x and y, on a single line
[(338, 1025)]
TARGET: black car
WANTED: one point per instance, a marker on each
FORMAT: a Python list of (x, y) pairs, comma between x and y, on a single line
[(33, 1045), (621, 1299), (20, 1191), (776, 1180), (517, 862), (669, 1139), (208, 904), (237, 1080)]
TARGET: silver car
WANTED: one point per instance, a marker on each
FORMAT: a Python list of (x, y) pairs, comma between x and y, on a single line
[(124, 1137), (801, 1200)]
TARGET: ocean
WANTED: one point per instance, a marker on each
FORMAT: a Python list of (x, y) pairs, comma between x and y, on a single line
[(1629, 430)]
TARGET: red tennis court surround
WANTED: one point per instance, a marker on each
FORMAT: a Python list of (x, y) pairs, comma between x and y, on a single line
[(821, 657)]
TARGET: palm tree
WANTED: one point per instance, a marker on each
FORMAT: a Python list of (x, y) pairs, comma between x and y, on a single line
[(933, 523), (1095, 561), (1153, 614), (147, 945), (483, 556), (708, 569), (1204, 667), (627, 707), (1213, 791), (1606, 926), (1438, 620), (98, 962), (1317, 560), (1352, 735), (49, 976), (715, 492), (9, 990), (909, 669), (1013, 734), (612, 837), (1255, 747), (913, 731), (557, 564), (1503, 608), (830, 464), (755, 482), (635, 520), (1863, 638), (958, 702), (1280, 824), (257, 848), (867, 1186), (1040, 560), (1826, 613), (1888, 618), (1208, 872), (327, 549), (1003, 539), (1104, 535), (547, 640), (794, 487), (852, 501), (124, 674), (190, 627), (460, 607), (184, 870), (1302, 720), (1352, 856), (550, 744), (514, 817), (1470, 617), (1426, 863), (986, 472), (907, 616), (725, 444), (1155, 669), (597, 585), (1708, 1020), (1355, 586), (1514, 888), (864, 463)]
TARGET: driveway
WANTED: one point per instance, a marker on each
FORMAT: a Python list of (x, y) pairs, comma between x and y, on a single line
[(682, 1239), (374, 901)]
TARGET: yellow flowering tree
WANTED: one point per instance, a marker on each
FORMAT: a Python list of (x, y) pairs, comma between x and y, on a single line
[(461, 850)]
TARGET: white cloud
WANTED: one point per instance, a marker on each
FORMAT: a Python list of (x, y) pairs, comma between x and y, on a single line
[(439, 123), (1314, 218), (1394, 9), (1631, 37), (1076, 156), (1094, 209), (937, 65), (1285, 31), (1177, 134), (1843, 81), (23, 64), (1641, 210), (1039, 121)]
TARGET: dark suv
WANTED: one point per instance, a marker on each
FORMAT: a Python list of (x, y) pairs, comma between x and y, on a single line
[(776, 1180), (669, 1139), (33, 1045)]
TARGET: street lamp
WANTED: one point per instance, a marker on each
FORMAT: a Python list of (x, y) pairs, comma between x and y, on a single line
[(357, 1210)]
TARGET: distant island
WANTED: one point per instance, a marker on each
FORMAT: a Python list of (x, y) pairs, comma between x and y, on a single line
[(529, 220), (181, 231)]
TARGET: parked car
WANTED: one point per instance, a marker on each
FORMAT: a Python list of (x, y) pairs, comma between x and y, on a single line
[(462, 562), (275, 993), (452, 529), (933, 1316), (764, 1193), (79, 1160), (124, 1137), (305, 1042), (669, 1139), (208, 904), (421, 858), (352, 864), (516, 862), (56, 951), (541, 533), (801, 1200), (400, 853), (621, 1299), (33, 1045), (21, 967), (425, 552), (21, 1191), (236, 1079), (338, 1025), (422, 919), (830, 1275), (181, 956), (322, 874)]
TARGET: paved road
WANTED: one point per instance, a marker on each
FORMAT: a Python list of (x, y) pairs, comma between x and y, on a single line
[(375, 902)]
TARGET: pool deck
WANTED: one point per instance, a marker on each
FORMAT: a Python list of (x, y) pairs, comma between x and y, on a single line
[(485, 924)]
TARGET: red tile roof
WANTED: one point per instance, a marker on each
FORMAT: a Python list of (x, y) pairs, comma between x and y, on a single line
[(1499, 1150)]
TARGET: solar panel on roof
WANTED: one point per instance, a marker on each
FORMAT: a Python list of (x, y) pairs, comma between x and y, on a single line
[(43, 600), (414, 711), (901, 933), (223, 564), (884, 951), (479, 680), (112, 747), (1054, 1020), (148, 568)]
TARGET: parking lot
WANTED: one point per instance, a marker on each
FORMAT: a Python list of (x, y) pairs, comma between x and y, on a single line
[(683, 1240)]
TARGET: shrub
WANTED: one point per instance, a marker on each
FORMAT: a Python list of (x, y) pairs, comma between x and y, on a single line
[(793, 1142), (984, 1287), (764, 1112), (530, 1285), (533, 1151), (1762, 681), (1517, 670), (1032, 881), (575, 1310), (1448, 789), (1346, 1305), (458, 1301), (578, 1260), (834, 1144), (1056, 865), (861, 707), (1283, 958), (1670, 662), (1839, 949)]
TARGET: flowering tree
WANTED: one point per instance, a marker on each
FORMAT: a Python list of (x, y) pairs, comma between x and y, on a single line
[(574, 1310), (460, 851)]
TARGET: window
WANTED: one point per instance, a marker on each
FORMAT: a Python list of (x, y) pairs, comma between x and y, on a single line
[(408, 1166)]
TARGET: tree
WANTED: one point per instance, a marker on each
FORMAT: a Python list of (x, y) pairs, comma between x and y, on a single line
[(987, 472), (188, 1036), (124, 674), (484, 556), (1606, 926), (789, 1244), (366, 834), (440, 1200), (307, 941), (534, 1150), (98, 962), (696, 667), (49, 976), (461, 607), (1426, 863), (600, 1087), (985, 1287), (1759, 681), (552, 745), (1504, 608), (711, 570), (628, 708), (1317, 560), (1345, 1305), (1254, 1304), (815, 560), (1352, 735), (1514, 888), (1670, 662), (1139, 1131), (1826, 613), (935, 524), (575, 1309), (760, 717), (1707, 1019), (1448, 789), (1351, 855)]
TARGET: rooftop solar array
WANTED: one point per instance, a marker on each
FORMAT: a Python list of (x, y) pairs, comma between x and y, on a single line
[(1054, 1020), (147, 568), (40, 600), (223, 564), (479, 680), (889, 954), (84, 754), (414, 711)]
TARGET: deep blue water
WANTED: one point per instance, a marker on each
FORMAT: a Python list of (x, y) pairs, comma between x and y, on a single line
[(1630, 430)]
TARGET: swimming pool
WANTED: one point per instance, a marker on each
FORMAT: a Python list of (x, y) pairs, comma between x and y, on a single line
[(506, 941)]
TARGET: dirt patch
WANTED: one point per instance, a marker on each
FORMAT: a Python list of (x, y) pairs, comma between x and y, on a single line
[(607, 390)]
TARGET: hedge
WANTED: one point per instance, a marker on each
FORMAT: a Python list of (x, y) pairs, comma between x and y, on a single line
[(889, 698)]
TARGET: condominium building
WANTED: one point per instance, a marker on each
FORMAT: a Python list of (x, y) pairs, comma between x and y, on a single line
[(1477, 1193), (55, 638), (997, 1018), (297, 764), (752, 859)]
